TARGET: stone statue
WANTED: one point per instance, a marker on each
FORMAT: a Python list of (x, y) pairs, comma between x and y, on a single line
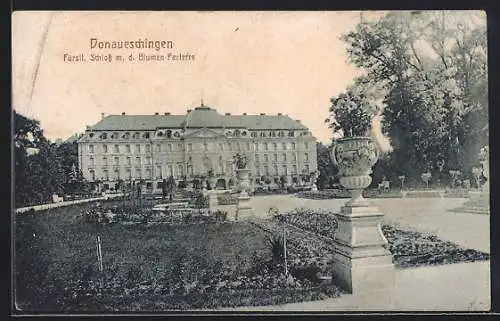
[(240, 160)]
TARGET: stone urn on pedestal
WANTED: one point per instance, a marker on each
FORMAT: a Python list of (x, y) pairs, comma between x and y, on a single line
[(314, 179), (212, 193), (362, 262), (243, 210)]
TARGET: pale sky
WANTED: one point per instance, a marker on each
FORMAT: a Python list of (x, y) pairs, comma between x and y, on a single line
[(253, 62)]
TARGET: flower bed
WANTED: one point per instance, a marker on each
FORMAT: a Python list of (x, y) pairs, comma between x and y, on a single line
[(324, 194), (409, 248), (158, 267), (227, 199)]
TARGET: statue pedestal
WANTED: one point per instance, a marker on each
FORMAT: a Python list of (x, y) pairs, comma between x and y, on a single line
[(212, 199), (243, 209), (361, 262)]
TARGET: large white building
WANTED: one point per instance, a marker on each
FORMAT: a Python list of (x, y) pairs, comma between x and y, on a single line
[(186, 147)]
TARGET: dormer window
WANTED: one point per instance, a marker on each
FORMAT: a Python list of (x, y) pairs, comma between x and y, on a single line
[(243, 134), (159, 134), (254, 134), (262, 134), (177, 135), (281, 134), (237, 133), (91, 135), (169, 134), (126, 135), (291, 134), (103, 136)]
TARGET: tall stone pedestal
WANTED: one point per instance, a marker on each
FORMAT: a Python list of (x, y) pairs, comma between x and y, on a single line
[(243, 209), (213, 201), (361, 263)]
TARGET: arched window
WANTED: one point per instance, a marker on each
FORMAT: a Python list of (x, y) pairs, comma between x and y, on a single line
[(169, 133), (159, 134)]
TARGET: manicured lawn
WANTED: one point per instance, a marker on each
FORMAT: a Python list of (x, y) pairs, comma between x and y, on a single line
[(146, 268)]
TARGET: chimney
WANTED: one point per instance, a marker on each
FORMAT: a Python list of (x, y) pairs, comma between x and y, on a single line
[(189, 110), (123, 113), (166, 114), (297, 120), (156, 114), (262, 114), (88, 127), (244, 114), (102, 115), (228, 114), (279, 114)]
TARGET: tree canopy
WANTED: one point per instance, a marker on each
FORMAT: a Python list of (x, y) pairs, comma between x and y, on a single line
[(432, 70)]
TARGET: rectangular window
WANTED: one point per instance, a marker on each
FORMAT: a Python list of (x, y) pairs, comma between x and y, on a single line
[(275, 146), (92, 175), (137, 173), (117, 149), (158, 172), (148, 160), (283, 146), (284, 157), (306, 157), (117, 160), (257, 157), (265, 146), (128, 173), (266, 158), (117, 174), (294, 169), (275, 157), (306, 145), (137, 148), (105, 161), (105, 174), (127, 148), (293, 146), (91, 162), (170, 147), (104, 149), (285, 170), (138, 160), (190, 147), (129, 161), (205, 146), (158, 147), (230, 146), (148, 148), (91, 149), (148, 174), (221, 146), (294, 157)]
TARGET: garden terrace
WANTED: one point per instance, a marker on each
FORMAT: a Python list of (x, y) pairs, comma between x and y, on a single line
[(146, 268), (409, 248)]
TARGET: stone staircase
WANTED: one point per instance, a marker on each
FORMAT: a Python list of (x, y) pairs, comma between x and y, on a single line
[(477, 204)]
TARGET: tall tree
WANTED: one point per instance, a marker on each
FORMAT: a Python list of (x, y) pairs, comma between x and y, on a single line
[(433, 67)]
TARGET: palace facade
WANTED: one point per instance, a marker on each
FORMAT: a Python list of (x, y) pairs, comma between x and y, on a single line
[(155, 147)]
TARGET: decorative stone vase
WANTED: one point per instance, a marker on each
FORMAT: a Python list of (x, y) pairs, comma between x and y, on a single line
[(243, 186), (355, 157)]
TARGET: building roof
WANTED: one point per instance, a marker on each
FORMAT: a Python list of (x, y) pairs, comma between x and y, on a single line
[(200, 117)]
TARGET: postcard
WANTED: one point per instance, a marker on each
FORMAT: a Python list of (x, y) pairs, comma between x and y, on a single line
[(286, 161)]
